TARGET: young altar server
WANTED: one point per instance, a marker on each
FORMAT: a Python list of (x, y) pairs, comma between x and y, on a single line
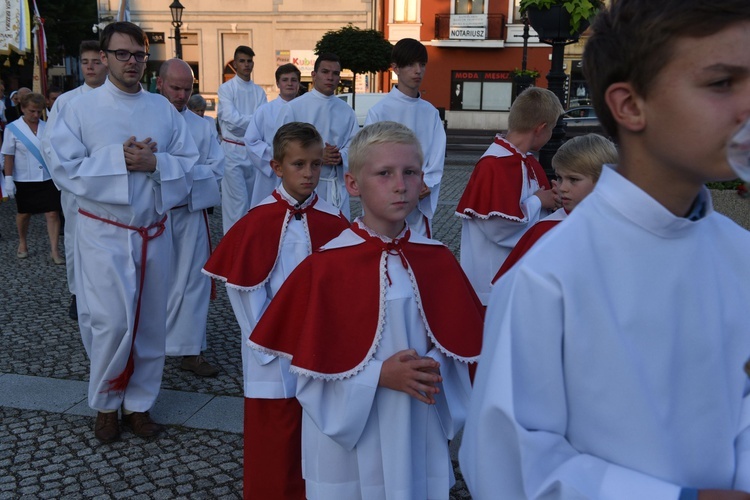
[(578, 165), (614, 360), (380, 325), (239, 99), (336, 122), (254, 258), (508, 190), (404, 105), (94, 74), (262, 129), (127, 156)]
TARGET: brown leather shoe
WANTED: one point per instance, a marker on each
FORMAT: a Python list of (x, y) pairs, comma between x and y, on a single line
[(107, 428), (141, 424), (199, 366)]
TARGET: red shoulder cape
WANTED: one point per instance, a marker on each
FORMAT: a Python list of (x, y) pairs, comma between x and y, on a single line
[(524, 244), (326, 316), (494, 187), (247, 254)]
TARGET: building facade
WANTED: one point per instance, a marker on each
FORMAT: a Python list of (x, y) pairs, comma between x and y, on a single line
[(279, 31), (474, 46)]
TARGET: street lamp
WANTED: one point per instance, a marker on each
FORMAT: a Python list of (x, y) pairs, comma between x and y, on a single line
[(553, 27), (176, 9)]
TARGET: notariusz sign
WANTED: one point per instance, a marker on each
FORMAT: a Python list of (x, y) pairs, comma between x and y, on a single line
[(468, 27)]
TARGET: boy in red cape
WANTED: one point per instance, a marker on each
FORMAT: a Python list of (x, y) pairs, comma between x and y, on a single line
[(254, 259), (380, 324), (508, 190), (578, 165)]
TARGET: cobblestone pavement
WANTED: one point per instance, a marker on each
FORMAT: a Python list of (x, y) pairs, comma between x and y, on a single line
[(53, 454)]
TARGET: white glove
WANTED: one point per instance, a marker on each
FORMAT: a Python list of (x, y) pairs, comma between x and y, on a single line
[(10, 187)]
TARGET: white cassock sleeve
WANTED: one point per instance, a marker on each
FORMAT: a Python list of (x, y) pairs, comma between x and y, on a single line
[(742, 476), (515, 432), (98, 175), (248, 307), (229, 116), (209, 170), (452, 402), (353, 129), (340, 408), (435, 157), (259, 131), (174, 166)]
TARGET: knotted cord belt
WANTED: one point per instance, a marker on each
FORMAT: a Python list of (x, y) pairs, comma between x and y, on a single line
[(119, 383), (236, 143)]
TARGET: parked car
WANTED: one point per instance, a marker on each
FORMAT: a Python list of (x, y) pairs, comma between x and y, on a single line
[(581, 120), (362, 103)]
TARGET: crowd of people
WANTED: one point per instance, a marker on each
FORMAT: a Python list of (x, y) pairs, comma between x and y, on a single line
[(590, 343)]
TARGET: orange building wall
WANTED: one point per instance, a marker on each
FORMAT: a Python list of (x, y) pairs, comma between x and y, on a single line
[(436, 87)]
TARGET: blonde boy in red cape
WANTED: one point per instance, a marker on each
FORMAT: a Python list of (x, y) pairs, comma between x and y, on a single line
[(380, 325)]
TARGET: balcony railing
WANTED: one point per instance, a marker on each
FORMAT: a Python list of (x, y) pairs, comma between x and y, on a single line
[(495, 27)]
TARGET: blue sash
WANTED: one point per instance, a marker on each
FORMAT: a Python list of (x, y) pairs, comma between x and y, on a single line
[(29, 145)]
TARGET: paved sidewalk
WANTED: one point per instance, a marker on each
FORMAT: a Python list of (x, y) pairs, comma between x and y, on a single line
[(47, 447)]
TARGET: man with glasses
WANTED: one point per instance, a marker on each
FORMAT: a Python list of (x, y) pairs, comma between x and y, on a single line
[(127, 156)]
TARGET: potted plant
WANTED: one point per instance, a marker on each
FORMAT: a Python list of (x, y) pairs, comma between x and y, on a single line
[(560, 19), (523, 79)]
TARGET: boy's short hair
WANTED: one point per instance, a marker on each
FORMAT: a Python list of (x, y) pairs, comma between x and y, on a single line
[(89, 46), (243, 49), (196, 102), (302, 133), (533, 106), (33, 98), (132, 30), (287, 68), (633, 40), (326, 56), (585, 155), (408, 51), (384, 132)]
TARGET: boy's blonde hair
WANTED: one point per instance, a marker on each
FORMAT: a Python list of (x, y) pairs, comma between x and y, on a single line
[(533, 106), (379, 133), (303, 133), (584, 155)]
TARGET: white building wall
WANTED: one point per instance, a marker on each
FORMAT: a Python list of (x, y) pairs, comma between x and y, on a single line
[(267, 26)]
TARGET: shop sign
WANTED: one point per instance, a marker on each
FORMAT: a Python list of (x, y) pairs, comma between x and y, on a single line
[(468, 27)]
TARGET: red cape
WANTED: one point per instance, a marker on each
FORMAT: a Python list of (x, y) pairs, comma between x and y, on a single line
[(524, 244), (494, 188), (247, 254), (327, 319)]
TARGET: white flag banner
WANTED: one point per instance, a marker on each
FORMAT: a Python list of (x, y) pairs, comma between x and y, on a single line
[(15, 29), (123, 12)]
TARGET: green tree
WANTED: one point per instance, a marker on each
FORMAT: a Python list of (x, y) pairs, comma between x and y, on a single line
[(67, 23), (361, 51)]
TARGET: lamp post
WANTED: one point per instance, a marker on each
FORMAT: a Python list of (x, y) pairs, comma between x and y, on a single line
[(553, 27), (176, 9)]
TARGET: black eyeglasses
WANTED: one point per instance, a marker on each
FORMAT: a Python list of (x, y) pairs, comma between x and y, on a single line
[(125, 55)]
